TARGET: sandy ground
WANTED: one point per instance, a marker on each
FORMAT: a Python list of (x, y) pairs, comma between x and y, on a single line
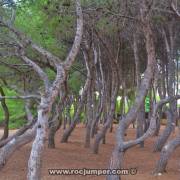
[(74, 155)]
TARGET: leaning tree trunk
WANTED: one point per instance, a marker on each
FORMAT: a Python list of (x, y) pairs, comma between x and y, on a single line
[(18, 133), (140, 97), (96, 118), (90, 93), (6, 115), (113, 91), (70, 129), (101, 98), (166, 133), (140, 116), (80, 105), (55, 125), (55, 122), (50, 90), (89, 115), (48, 99), (166, 152), (109, 120), (171, 67), (16, 142)]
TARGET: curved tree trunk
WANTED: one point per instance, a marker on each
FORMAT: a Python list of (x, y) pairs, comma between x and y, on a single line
[(112, 88), (55, 122), (166, 152), (140, 116), (142, 92), (70, 129), (101, 98), (166, 133), (89, 118), (6, 115), (48, 99), (90, 93), (55, 125), (20, 132), (96, 119), (107, 124), (50, 91), (15, 143)]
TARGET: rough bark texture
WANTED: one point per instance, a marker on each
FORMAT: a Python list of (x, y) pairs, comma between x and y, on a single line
[(55, 122), (166, 152), (34, 163), (166, 133), (140, 122), (18, 133), (144, 87), (118, 159), (47, 100), (52, 133), (15, 143), (140, 117), (6, 115)]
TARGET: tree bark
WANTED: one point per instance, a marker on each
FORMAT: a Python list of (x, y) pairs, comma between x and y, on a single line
[(110, 117), (89, 115), (34, 163), (70, 129), (55, 122), (16, 142), (101, 98), (6, 115), (166, 152), (18, 133), (90, 93), (140, 122), (140, 116), (54, 126), (166, 133), (144, 87), (49, 97)]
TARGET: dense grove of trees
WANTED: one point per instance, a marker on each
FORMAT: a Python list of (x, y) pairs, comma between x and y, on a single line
[(90, 62)]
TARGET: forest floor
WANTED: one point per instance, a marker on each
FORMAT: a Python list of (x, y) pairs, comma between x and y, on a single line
[(74, 155)]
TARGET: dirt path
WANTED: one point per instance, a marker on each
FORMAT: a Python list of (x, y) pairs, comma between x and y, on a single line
[(74, 155)]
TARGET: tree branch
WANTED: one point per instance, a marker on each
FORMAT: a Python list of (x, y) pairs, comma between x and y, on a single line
[(175, 10), (26, 41), (21, 97), (152, 126), (77, 41), (37, 69)]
